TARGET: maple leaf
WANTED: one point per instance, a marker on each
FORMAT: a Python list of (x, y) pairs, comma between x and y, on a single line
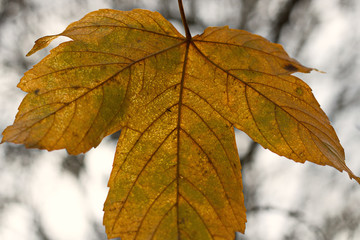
[(176, 100)]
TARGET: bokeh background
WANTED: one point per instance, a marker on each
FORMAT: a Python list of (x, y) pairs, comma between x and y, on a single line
[(55, 196)]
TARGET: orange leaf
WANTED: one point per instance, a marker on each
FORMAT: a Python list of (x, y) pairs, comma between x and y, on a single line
[(176, 172)]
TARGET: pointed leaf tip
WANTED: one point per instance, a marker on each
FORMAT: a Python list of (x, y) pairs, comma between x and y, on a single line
[(41, 43), (356, 178)]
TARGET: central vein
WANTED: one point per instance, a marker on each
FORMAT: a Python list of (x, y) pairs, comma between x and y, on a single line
[(178, 134)]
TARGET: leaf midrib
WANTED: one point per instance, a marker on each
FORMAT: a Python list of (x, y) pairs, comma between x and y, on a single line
[(178, 127)]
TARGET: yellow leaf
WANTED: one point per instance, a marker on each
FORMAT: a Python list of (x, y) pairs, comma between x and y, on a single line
[(176, 99)]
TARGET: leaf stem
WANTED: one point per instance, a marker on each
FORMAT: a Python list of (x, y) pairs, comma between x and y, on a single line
[(183, 18)]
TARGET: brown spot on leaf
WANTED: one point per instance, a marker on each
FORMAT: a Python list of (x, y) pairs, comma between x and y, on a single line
[(291, 68), (37, 91)]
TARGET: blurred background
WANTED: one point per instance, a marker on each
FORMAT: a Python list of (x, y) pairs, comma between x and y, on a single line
[(55, 196)]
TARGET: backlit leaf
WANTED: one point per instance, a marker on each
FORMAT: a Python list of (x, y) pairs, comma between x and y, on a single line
[(176, 173)]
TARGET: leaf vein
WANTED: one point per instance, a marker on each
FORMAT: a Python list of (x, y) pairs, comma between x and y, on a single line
[(130, 28), (197, 213), (254, 119), (68, 125), (151, 205), (211, 205), (206, 101), (95, 118), (76, 67), (217, 137), (240, 46), (282, 135), (161, 220), (215, 169), (290, 94), (303, 123), (140, 136), (138, 176), (99, 52)]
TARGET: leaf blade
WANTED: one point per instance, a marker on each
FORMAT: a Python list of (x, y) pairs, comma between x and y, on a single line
[(288, 92), (84, 64), (176, 172)]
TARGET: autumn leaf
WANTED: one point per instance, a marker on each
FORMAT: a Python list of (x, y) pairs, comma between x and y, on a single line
[(176, 100)]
